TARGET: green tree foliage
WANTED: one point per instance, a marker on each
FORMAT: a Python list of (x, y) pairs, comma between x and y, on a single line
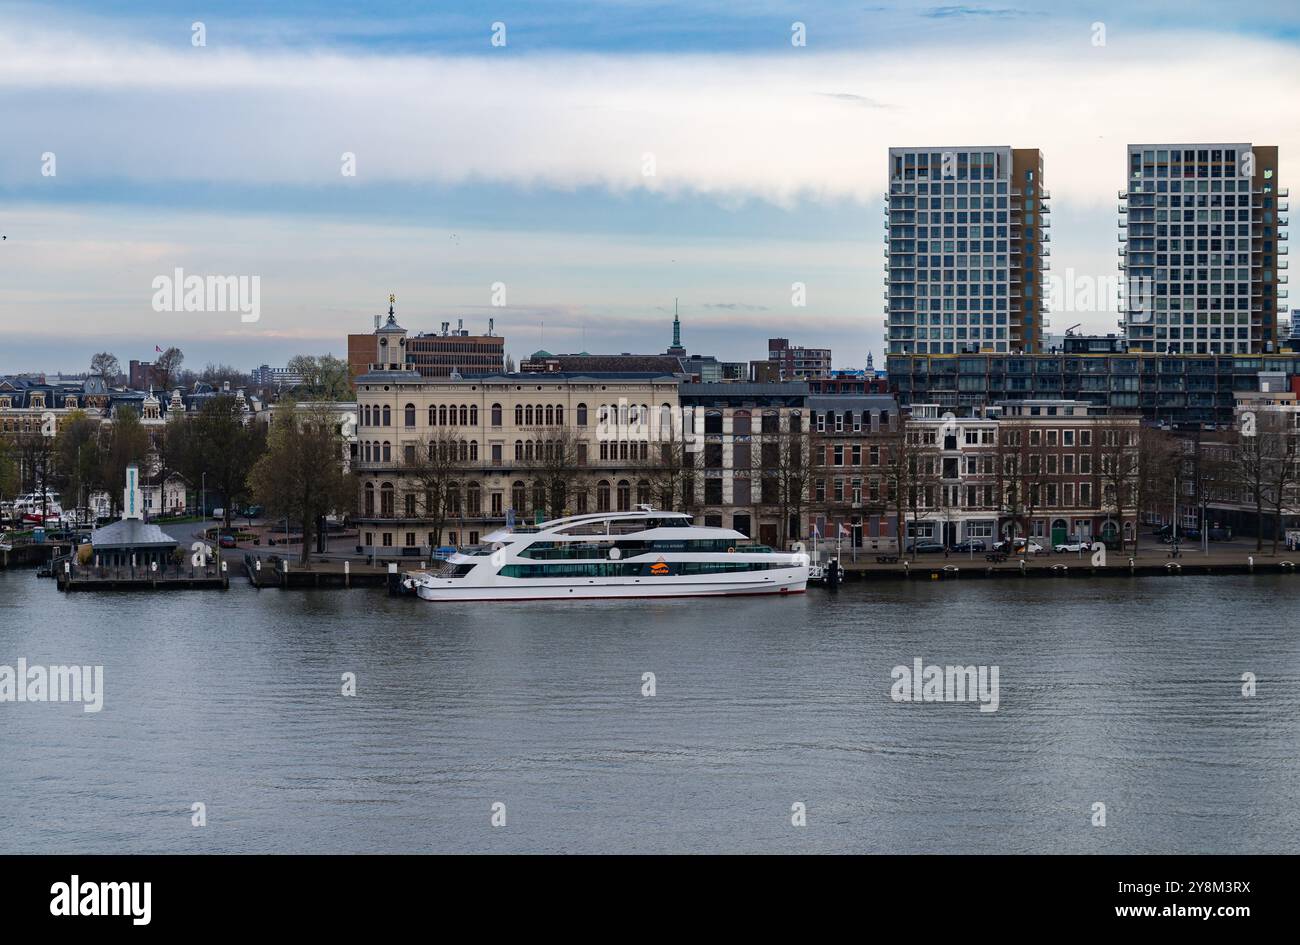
[(325, 378)]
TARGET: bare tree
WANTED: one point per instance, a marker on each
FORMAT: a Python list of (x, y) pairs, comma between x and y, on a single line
[(1284, 467), (106, 366), (168, 367), (910, 473), (1266, 467), (433, 474), (1020, 467), (554, 467), (668, 472)]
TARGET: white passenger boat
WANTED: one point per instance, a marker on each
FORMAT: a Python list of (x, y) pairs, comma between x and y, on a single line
[(36, 508), (641, 553)]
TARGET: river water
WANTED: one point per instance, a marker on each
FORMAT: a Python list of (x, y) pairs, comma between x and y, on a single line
[(1123, 692)]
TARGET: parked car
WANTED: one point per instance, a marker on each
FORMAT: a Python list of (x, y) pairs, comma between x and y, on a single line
[(1005, 547), (973, 544), (1074, 544), (226, 541), (253, 511), (218, 513), (1220, 533), (925, 546)]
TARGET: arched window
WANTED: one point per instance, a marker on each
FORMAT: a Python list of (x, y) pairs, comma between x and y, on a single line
[(464, 415), (528, 451), (643, 492), (473, 415), (386, 500), (519, 496), (365, 452), (453, 498), (473, 451), (528, 415), (433, 415), (474, 499), (370, 498), (602, 496), (464, 451), (451, 415), (539, 494), (559, 415), (550, 415), (442, 415), (665, 422), (602, 415), (388, 452), (624, 495), (519, 449), (519, 415), (582, 415), (409, 415), (496, 415), (365, 415), (388, 416)]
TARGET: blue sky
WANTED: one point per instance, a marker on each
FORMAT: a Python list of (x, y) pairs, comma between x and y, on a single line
[(526, 165)]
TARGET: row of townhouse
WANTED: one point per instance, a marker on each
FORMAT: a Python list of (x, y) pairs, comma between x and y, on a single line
[(447, 460), (1043, 468)]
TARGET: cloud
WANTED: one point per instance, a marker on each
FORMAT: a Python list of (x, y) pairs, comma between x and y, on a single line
[(730, 128), (954, 12)]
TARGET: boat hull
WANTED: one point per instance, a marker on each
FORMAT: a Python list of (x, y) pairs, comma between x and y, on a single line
[(445, 590)]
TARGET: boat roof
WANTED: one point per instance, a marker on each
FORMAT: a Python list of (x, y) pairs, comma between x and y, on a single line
[(595, 518)]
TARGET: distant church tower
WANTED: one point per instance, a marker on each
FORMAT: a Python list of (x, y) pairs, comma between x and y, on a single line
[(676, 348), (870, 366)]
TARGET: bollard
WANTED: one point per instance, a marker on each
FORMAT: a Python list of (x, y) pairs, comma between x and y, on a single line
[(1250, 562), (347, 573)]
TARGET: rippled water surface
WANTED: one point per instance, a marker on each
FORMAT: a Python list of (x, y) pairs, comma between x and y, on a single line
[(1126, 692)]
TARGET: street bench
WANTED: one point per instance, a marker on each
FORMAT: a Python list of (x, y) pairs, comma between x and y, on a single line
[(997, 557), (886, 559)]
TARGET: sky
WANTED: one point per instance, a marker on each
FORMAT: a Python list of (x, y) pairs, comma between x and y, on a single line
[(570, 182)]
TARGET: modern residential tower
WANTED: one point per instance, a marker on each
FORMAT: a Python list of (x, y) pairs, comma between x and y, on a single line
[(1202, 246), (966, 250)]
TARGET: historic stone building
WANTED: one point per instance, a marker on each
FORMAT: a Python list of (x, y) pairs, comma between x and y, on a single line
[(447, 460)]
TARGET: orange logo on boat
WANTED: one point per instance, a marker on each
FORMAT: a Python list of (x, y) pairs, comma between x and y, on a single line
[(658, 568)]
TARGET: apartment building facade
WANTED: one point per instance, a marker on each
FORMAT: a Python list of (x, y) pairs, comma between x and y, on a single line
[(967, 247), (1202, 248), (797, 363), (1165, 389)]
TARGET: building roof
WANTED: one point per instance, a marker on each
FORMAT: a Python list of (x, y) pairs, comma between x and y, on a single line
[(853, 401), (131, 533)]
